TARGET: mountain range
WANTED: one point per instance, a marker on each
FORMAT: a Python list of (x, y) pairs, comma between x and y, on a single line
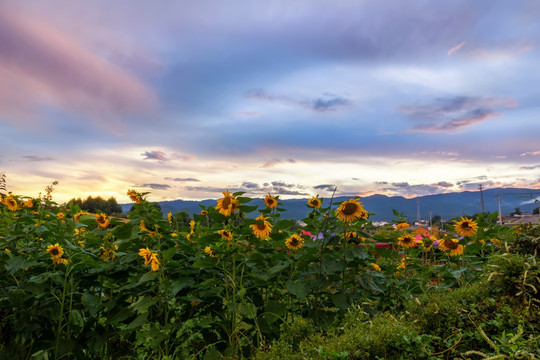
[(447, 206)]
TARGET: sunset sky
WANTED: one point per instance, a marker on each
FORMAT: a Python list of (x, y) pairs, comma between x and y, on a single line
[(186, 99)]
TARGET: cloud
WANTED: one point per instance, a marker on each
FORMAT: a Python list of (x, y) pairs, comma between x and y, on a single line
[(39, 65), (37, 158), (456, 48), (274, 162), (328, 187), (250, 185), (155, 155), (182, 179), (529, 167), (444, 184), (248, 114), (533, 153), (156, 186), (450, 114), (327, 103)]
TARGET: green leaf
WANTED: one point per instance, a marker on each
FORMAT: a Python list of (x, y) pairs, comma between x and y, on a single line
[(143, 303), (90, 302), (148, 277), (274, 310), (340, 301), (17, 263), (205, 263), (123, 231), (247, 209), (296, 288), (138, 322), (180, 284)]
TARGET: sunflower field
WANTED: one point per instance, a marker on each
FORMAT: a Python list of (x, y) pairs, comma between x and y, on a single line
[(78, 285)]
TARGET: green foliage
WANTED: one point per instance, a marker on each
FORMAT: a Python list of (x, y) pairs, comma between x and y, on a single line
[(210, 286)]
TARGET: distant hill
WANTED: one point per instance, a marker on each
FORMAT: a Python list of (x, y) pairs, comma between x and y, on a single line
[(445, 205)]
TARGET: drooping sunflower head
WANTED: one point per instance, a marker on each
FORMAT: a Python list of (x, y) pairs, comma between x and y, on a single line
[(466, 227), (270, 201), (451, 245), (208, 251), (146, 254), (11, 203), (55, 250), (294, 242), (350, 210), (406, 241), (225, 234), (169, 217), (375, 267), (228, 204), (102, 220), (315, 202), (134, 196), (262, 228), (402, 225)]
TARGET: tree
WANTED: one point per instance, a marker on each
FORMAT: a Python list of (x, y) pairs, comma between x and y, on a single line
[(536, 211), (95, 204), (436, 219), (517, 211)]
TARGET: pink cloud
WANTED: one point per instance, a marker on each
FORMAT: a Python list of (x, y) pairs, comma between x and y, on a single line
[(41, 66), (456, 48)]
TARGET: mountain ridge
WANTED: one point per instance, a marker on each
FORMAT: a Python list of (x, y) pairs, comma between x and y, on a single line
[(447, 205)]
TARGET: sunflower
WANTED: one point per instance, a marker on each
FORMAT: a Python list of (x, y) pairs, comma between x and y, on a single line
[(270, 201), (350, 210), (204, 212), (315, 202), (228, 204), (402, 225), (262, 228), (59, 261), (60, 215), (407, 241), (108, 253), (55, 250), (427, 242), (169, 217), (375, 267), (495, 241), (349, 235), (295, 242), (466, 227), (77, 216), (11, 203), (192, 224), (102, 220), (154, 263), (28, 203), (134, 196), (208, 251), (452, 245), (225, 234), (146, 254)]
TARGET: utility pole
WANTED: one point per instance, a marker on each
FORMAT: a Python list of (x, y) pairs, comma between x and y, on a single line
[(481, 199), (499, 204)]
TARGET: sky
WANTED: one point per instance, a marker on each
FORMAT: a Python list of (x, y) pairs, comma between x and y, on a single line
[(186, 99)]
